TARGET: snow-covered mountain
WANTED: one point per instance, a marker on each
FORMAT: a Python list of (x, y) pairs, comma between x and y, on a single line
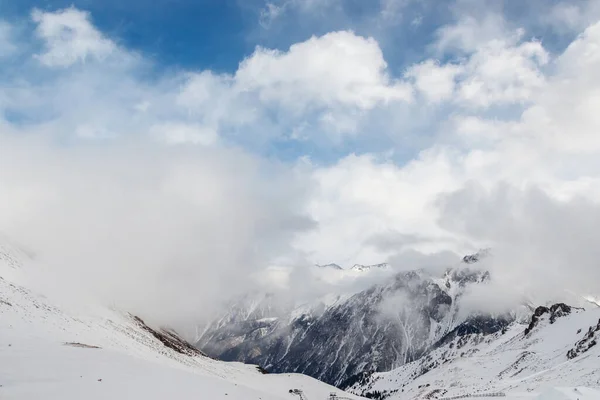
[(557, 346), (408, 338), (55, 352), (364, 268), (339, 338), (52, 352)]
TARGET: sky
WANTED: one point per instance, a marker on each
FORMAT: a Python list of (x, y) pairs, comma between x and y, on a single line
[(181, 146)]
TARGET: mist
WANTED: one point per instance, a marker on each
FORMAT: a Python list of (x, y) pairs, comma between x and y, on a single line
[(544, 250), (165, 232)]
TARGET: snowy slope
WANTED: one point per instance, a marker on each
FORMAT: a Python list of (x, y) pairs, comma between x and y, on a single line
[(513, 362), (95, 353)]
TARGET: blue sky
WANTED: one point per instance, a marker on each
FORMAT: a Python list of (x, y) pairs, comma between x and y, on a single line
[(317, 131), (218, 34), (176, 33)]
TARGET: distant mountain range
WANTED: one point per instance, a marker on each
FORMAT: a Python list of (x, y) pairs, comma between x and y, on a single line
[(340, 337), (409, 338)]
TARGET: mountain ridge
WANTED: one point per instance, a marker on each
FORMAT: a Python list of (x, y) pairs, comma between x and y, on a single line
[(380, 328)]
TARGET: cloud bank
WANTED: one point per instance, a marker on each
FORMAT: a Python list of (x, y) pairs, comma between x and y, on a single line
[(168, 190)]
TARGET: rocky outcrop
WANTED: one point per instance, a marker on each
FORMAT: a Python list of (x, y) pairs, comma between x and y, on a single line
[(555, 311), (589, 340)]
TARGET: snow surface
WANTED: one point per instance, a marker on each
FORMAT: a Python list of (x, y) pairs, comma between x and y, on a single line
[(49, 352), (569, 393), (518, 365)]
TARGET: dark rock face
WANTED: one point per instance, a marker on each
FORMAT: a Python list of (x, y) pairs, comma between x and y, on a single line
[(555, 311), (473, 258), (377, 329), (479, 324), (170, 339), (590, 339)]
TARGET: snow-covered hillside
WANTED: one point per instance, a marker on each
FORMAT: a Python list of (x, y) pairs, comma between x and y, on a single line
[(50, 352), (556, 347)]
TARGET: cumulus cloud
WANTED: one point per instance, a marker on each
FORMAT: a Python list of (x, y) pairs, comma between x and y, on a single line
[(337, 68), (436, 82), (543, 154), (69, 38)]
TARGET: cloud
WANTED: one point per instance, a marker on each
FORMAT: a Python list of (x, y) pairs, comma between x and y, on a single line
[(124, 186), (158, 231), (565, 17), (469, 32), (338, 68), (176, 133), (361, 197), (436, 82), (499, 72), (144, 185), (69, 38), (543, 247), (6, 41), (270, 13), (535, 170)]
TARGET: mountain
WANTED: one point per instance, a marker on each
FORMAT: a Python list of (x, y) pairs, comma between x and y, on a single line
[(332, 266), (337, 339), (364, 268), (557, 345), (52, 352)]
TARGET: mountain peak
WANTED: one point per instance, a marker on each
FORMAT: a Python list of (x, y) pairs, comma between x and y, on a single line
[(476, 257), (332, 265), (363, 268)]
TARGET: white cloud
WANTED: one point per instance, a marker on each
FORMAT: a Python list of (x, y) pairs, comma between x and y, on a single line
[(526, 184), (274, 10), (338, 68), (436, 82), (270, 13), (162, 231), (499, 72), (361, 197), (69, 38), (468, 33), (566, 17), (165, 207), (178, 133)]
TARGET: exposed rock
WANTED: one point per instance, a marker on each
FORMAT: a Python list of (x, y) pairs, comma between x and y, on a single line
[(555, 311), (590, 339), (170, 339)]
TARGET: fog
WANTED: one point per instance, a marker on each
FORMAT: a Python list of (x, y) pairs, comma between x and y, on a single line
[(163, 232), (544, 250)]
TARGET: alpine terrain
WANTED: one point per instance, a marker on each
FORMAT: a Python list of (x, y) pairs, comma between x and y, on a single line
[(51, 352), (399, 337)]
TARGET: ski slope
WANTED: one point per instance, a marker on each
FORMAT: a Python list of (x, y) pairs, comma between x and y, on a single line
[(49, 352)]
